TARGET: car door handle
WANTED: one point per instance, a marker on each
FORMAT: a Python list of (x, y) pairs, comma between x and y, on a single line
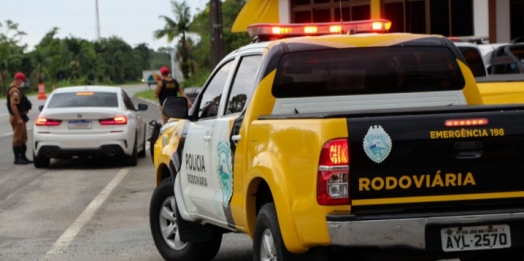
[(207, 138), (236, 139)]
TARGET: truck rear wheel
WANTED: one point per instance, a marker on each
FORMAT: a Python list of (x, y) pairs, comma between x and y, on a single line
[(268, 243), (164, 229)]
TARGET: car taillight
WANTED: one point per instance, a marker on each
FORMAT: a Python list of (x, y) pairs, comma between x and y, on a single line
[(47, 122), (120, 120), (333, 173)]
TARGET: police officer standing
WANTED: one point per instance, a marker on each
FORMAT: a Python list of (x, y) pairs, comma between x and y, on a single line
[(18, 105), (168, 87)]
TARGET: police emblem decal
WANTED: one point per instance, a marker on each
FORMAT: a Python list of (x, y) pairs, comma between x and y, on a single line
[(225, 173), (377, 144)]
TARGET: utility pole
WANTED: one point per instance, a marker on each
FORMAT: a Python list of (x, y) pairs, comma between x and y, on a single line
[(217, 47), (97, 22)]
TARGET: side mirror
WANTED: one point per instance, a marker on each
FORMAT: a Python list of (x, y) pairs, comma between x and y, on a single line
[(176, 107), (142, 107), (41, 107)]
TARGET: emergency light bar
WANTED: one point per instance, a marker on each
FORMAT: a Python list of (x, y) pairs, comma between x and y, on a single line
[(274, 31)]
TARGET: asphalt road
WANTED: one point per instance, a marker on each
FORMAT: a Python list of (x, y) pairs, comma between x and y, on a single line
[(82, 209)]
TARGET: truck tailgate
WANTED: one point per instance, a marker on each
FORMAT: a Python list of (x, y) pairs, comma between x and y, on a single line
[(415, 163)]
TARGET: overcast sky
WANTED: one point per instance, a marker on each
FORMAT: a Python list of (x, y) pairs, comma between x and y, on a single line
[(132, 20)]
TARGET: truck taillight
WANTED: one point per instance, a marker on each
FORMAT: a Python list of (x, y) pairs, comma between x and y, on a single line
[(333, 173)]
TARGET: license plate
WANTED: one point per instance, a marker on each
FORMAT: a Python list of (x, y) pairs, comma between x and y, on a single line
[(79, 124), (475, 238)]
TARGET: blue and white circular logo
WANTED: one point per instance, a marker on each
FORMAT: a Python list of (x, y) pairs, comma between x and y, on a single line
[(225, 171), (377, 144)]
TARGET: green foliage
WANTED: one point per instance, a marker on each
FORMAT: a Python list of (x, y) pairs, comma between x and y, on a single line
[(159, 58), (178, 27), (71, 60), (233, 41), (198, 79), (11, 53), (111, 61), (202, 25)]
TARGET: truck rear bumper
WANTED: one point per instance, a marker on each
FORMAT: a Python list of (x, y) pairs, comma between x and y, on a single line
[(411, 232)]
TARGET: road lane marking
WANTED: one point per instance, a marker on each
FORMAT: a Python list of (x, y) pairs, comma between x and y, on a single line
[(67, 237)]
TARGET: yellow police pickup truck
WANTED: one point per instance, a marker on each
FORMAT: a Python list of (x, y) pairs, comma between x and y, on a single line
[(498, 70), (369, 146)]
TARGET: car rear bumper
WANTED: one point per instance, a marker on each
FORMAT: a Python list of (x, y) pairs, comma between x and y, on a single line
[(57, 152), (72, 145), (421, 233)]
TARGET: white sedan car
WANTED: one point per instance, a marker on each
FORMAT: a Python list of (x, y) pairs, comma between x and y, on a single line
[(89, 121)]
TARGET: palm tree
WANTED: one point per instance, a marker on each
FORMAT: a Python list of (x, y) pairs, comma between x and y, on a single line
[(177, 27), (75, 50)]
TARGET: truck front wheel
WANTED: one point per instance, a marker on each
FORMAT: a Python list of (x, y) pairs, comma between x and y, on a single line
[(164, 229)]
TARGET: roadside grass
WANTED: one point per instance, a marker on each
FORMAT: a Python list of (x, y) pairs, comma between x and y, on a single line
[(147, 94)]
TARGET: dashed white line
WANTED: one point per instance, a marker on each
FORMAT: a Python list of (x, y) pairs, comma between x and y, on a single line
[(69, 235)]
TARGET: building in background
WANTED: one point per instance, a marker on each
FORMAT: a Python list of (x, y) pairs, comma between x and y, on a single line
[(497, 20)]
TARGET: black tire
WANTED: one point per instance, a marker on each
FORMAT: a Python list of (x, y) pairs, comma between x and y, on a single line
[(268, 243), (132, 160), (155, 132), (41, 162), (142, 152), (163, 201)]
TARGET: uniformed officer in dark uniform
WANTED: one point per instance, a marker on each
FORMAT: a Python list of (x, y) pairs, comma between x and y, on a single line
[(168, 87), (18, 105)]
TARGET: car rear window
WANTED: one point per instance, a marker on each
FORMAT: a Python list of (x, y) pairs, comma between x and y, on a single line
[(83, 99), (354, 71)]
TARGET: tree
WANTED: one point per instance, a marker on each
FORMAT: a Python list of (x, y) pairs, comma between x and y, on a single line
[(142, 56), (232, 41), (74, 60), (47, 56), (178, 27), (10, 51), (75, 53)]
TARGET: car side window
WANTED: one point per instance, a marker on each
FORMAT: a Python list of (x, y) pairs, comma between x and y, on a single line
[(213, 93), (243, 84), (127, 102)]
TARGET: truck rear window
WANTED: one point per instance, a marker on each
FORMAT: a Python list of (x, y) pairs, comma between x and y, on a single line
[(354, 71), (83, 99)]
